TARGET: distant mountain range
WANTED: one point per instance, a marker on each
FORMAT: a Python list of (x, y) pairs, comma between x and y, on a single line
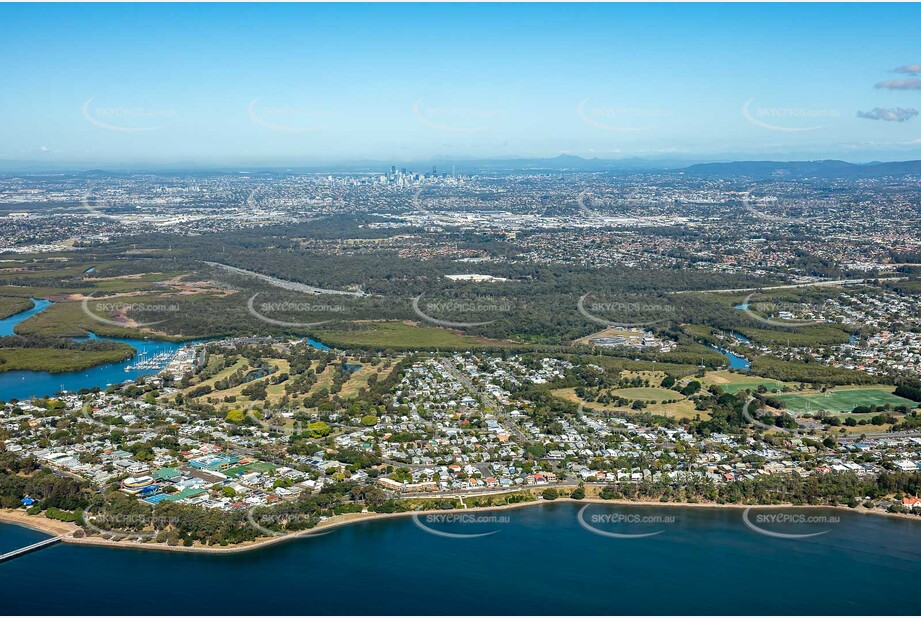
[(804, 169), (829, 168)]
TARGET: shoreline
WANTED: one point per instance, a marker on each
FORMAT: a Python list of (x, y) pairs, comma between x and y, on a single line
[(65, 529), (18, 517)]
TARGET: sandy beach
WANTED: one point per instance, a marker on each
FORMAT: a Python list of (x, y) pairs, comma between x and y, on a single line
[(57, 528), (37, 522)]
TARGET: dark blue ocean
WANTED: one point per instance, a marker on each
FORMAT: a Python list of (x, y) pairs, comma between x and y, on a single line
[(540, 562)]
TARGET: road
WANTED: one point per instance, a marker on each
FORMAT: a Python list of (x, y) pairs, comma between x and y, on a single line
[(489, 491), (500, 409), (281, 283), (881, 434), (794, 285)]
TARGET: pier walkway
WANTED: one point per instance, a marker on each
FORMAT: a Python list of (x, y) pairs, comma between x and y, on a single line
[(30, 548)]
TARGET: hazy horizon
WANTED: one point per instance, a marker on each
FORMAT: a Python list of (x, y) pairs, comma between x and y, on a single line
[(444, 164)]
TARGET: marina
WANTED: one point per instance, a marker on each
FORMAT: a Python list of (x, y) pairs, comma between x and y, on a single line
[(146, 362), (152, 356)]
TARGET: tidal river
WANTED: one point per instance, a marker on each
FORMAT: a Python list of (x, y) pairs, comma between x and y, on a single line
[(25, 384)]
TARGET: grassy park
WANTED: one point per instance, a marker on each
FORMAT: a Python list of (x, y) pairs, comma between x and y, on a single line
[(842, 400)]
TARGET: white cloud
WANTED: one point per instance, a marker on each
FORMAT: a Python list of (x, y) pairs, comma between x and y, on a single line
[(895, 114), (901, 84)]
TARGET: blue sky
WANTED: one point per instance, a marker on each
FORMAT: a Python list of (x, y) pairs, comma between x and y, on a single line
[(292, 84)]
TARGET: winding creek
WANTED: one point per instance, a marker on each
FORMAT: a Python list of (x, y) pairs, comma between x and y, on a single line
[(735, 361), (26, 384)]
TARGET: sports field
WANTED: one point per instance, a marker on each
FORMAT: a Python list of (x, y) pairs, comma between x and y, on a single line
[(843, 400), (684, 408), (646, 394), (733, 383), (258, 466), (735, 387)]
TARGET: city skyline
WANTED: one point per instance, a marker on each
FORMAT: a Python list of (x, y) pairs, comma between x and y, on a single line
[(283, 85)]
